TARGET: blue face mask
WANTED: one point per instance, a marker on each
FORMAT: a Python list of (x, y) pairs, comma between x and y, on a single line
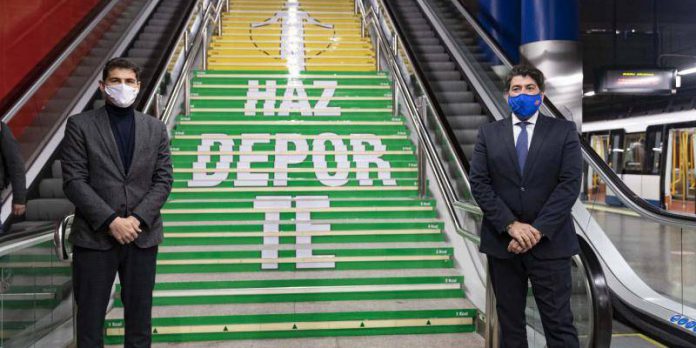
[(525, 105)]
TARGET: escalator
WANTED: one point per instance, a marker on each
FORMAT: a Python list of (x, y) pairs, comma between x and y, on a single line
[(445, 46), (35, 286)]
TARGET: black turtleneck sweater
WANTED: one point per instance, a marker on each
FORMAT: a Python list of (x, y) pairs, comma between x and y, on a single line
[(123, 126)]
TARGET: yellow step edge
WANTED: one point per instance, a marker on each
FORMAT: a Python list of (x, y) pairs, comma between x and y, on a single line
[(293, 98), (285, 68), (289, 123), (328, 55)]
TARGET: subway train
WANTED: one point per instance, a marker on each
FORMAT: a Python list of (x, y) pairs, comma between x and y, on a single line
[(653, 155)]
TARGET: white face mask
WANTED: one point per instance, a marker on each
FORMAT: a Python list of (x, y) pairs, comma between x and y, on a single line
[(121, 95)]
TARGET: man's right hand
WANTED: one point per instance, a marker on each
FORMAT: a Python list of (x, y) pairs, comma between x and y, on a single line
[(525, 234), (123, 230)]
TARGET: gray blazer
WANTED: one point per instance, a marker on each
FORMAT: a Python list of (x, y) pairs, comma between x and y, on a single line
[(95, 181)]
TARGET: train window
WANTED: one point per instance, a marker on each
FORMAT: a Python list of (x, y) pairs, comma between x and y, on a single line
[(617, 150), (634, 153), (653, 151)]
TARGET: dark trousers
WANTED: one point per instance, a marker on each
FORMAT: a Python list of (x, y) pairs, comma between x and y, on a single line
[(94, 272), (552, 287)]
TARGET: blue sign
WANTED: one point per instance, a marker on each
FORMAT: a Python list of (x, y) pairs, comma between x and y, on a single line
[(675, 318)]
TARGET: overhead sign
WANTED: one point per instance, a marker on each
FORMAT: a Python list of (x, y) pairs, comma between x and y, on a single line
[(658, 81)]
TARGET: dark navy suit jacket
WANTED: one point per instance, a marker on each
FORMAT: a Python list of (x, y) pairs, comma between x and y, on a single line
[(542, 197)]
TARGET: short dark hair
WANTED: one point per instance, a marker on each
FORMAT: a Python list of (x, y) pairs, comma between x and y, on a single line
[(525, 70), (120, 63)]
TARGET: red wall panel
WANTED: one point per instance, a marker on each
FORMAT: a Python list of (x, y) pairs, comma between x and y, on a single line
[(29, 30)]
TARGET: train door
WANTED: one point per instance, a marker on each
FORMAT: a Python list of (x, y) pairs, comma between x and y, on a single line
[(596, 190), (680, 171)]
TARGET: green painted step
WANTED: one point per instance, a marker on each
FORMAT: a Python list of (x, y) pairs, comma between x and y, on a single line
[(220, 116), (295, 290), (185, 159), (359, 90), (296, 185), (375, 192), (333, 128), (337, 226), (302, 74), (291, 146), (239, 103), (174, 206), (390, 143), (345, 259), (300, 325)]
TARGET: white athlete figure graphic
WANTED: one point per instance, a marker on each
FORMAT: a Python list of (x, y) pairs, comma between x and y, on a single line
[(292, 37)]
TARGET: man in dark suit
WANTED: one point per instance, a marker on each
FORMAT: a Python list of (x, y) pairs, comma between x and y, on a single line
[(117, 171), (525, 175)]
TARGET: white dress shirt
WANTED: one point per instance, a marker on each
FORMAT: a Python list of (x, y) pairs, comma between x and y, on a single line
[(517, 129)]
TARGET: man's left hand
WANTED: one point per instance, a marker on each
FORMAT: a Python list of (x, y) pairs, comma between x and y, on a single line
[(19, 209)]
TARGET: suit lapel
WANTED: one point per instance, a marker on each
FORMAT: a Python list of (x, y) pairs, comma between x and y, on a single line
[(540, 134), (141, 137), (104, 128), (509, 140)]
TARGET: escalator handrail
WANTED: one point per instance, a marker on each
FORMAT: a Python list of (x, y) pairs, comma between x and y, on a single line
[(181, 39), (164, 60), (625, 194), (428, 90), (29, 93), (425, 139), (198, 42)]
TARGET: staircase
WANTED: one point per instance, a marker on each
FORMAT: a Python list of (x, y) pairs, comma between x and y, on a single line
[(295, 210)]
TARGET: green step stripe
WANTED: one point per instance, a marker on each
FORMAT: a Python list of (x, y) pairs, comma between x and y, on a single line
[(169, 240), (429, 203), (306, 165), (246, 215), (186, 161), (270, 145), (358, 91), (305, 130), (259, 116), (353, 106), (294, 290), (296, 185), (192, 144), (250, 261), (335, 128), (375, 192), (196, 255), (291, 226), (311, 174), (114, 332)]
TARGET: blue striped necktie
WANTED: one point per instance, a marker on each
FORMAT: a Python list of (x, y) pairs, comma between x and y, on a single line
[(522, 145)]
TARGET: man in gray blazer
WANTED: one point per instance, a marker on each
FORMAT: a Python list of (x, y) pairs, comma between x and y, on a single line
[(117, 171)]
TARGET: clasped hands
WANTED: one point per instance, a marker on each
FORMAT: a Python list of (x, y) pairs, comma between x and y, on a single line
[(125, 230), (524, 237)]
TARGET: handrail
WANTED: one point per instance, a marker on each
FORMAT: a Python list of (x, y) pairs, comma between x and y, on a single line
[(368, 16), (163, 61), (183, 40), (26, 96), (199, 42)]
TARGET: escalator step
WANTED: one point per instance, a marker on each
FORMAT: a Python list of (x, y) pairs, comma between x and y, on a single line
[(455, 97), (450, 85), (435, 57), (462, 122), (429, 49), (461, 108), (451, 75)]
